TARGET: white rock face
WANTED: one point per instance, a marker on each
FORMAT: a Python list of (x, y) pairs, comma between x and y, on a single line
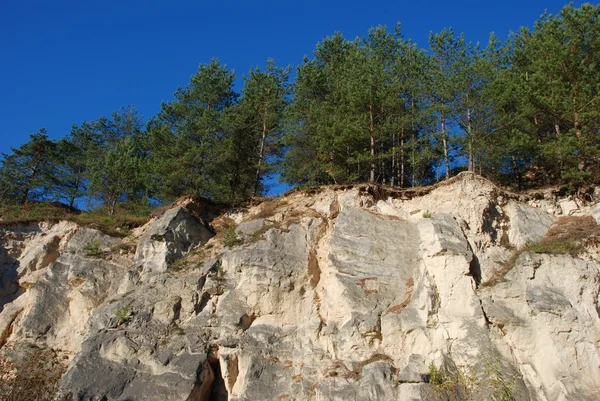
[(528, 224), (596, 213), (168, 238), (332, 295)]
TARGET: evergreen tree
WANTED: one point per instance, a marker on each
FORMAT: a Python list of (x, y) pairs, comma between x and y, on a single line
[(187, 138), (414, 149), (115, 174), (558, 63), (320, 138), (370, 95), (264, 99), (24, 172), (71, 162), (444, 48)]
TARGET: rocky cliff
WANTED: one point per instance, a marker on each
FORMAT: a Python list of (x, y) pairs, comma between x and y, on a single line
[(340, 293)]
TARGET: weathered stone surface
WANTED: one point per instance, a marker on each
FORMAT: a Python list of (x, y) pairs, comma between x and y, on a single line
[(546, 311), (527, 224), (250, 227), (596, 212), (168, 238), (332, 295), (569, 207)]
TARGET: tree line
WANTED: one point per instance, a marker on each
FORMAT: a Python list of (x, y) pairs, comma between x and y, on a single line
[(523, 112)]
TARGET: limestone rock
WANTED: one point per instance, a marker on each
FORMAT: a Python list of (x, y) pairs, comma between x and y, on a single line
[(569, 207), (331, 294), (596, 212), (168, 238), (527, 224)]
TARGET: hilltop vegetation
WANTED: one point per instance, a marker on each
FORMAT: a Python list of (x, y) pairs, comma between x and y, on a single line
[(523, 113)]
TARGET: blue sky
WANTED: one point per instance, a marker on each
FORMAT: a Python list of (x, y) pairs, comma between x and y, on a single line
[(64, 62)]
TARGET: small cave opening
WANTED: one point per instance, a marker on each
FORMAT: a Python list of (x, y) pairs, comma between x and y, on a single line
[(219, 390)]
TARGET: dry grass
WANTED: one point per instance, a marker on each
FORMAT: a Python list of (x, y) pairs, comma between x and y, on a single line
[(35, 378), (118, 224), (268, 207)]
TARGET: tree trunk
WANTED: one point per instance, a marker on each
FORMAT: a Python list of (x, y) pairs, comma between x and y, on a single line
[(372, 134), (25, 194), (28, 186), (392, 181), (445, 144), (536, 121), (470, 135), (403, 161), (260, 158), (111, 204), (518, 173), (413, 150), (577, 125)]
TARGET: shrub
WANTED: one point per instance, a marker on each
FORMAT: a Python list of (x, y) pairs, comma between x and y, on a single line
[(92, 248), (179, 264), (463, 384), (220, 273), (230, 238), (451, 384), (123, 314)]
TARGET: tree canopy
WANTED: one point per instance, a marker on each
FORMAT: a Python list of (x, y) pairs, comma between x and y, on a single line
[(376, 109)]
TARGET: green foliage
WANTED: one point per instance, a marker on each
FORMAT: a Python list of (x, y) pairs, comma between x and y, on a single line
[(502, 387), (92, 248), (555, 247), (123, 314), (230, 237), (464, 384), (357, 114), (118, 224), (189, 141), (178, 264), (378, 108), (114, 177), (220, 273), (262, 107), (452, 384), (567, 236), (24, 172), (34, 211)]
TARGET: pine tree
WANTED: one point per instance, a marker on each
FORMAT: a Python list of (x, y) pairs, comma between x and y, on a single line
[(188, 136), (24, 173), (264, 99), (115, 174), (71, 162), (320, 138), (442, 86)]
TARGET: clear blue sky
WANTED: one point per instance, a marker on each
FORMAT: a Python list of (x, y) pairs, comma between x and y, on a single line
[(64, 62)]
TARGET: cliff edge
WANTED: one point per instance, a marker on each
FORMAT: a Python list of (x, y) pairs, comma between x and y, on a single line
[(461, 291)]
